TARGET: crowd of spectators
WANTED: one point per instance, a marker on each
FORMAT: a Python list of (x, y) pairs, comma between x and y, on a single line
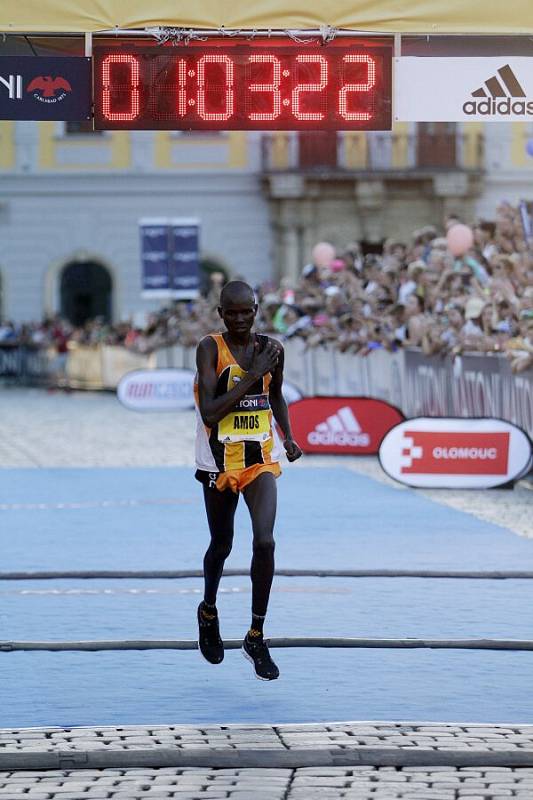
[(418, 294), (415, 293)]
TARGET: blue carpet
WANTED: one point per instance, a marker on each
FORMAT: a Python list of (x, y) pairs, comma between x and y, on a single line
[(154, 519)]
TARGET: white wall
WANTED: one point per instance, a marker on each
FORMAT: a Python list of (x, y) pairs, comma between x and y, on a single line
[(51, 219)]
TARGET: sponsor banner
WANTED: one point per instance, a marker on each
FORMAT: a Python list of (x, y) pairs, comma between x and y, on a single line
[(324, 371), (155, 257), (348, 425), (448, 453), (457, 89), (116, 361), (170, 257), (185, 257), (298, 368), (45, 88), (291, 393), (467, 386), (157, 390), (18, 361)]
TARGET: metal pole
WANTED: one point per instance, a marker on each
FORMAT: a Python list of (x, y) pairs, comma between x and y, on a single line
[(285, 572), (236, 644)]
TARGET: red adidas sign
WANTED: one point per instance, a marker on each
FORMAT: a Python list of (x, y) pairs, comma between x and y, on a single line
[(346, 425), (443, 452)]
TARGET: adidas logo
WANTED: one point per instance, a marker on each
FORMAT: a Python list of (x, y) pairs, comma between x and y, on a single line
[(340, 429), (506, 86)]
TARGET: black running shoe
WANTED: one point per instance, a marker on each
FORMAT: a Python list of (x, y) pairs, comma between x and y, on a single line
[(258, 654), (209, 641)]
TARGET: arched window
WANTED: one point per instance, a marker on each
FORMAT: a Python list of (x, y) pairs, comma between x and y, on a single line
[(86, 292)]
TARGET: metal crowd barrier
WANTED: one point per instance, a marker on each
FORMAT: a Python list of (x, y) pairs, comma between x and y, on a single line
[(21, 364), (472, 385)]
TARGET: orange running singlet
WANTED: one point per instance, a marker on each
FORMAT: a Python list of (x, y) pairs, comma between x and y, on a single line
[(244, 437)]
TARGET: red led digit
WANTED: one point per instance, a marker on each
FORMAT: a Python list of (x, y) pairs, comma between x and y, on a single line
[(309, 87), (268, 87), (357, 87), (227, 88), (182, 82), (132, 88)]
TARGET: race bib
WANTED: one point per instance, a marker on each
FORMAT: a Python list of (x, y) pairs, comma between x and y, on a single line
[(250, 422)]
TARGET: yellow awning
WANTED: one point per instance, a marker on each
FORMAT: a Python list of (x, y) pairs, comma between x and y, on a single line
[(386, 16)]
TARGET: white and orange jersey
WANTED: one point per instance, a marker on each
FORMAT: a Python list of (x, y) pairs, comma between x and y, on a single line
[(245, 436)]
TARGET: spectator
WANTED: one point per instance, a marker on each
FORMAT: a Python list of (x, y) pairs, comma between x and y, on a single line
[(414, 294)]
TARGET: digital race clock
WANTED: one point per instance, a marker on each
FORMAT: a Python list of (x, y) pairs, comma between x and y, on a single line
[(345, 85)]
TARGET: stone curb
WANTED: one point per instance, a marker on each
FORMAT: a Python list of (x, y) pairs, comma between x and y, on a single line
[(263, 758)]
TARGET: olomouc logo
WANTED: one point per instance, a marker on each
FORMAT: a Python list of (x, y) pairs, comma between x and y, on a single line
[(461, 453), (501, 94)]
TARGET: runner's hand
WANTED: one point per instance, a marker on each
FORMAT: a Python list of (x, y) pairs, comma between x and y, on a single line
[(264, 361), (292, 450)]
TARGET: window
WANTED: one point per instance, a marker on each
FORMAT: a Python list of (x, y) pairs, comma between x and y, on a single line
[(84, 127)]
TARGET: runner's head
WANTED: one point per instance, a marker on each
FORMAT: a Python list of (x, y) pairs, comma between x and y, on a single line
[(237, 307)]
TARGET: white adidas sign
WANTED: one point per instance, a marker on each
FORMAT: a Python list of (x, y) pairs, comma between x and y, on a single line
[(449, 89), (340, 429)]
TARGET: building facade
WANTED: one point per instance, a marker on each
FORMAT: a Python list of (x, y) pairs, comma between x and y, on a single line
[(70, 205), (70, 201)]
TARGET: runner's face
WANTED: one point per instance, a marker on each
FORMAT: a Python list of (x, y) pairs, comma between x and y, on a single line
[(238, 316)]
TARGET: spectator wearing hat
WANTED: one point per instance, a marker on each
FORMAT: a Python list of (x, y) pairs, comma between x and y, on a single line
[(473, 328)]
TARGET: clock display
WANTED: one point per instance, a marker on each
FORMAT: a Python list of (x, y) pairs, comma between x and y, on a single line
[(344, 86)]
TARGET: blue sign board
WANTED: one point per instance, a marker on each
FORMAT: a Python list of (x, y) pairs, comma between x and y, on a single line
[(45, 88), (184, 236), (170, 257)]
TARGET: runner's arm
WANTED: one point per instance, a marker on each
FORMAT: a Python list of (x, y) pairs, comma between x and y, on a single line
[(213, 408), (280, 410)]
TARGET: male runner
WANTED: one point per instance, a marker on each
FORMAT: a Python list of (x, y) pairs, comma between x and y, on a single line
[(237, 390)]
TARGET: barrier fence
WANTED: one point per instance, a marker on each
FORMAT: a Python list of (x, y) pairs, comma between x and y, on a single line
[(468, 385), (19, 364)]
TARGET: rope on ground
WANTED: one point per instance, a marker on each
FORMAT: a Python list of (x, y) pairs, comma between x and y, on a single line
[(235, 644), (290, 573)]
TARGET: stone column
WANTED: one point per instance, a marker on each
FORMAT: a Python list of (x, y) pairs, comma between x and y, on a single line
[(285, 191), (370, 204), (290, 254)]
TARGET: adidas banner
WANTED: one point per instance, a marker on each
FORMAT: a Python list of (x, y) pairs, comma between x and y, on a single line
[(349, 425), (457, 89)]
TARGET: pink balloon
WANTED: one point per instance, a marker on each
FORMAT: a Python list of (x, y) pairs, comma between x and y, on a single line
[(459, 239), (323, 254)]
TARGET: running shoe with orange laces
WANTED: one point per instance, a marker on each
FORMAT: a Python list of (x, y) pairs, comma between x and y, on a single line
[(209, 641), (257, 652)]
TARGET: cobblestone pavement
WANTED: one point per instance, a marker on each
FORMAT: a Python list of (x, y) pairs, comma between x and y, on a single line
[(84, 429), (364, 782), (334, 736), (356, 783)]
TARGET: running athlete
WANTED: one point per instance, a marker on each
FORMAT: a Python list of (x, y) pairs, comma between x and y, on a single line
[(237, 392)]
